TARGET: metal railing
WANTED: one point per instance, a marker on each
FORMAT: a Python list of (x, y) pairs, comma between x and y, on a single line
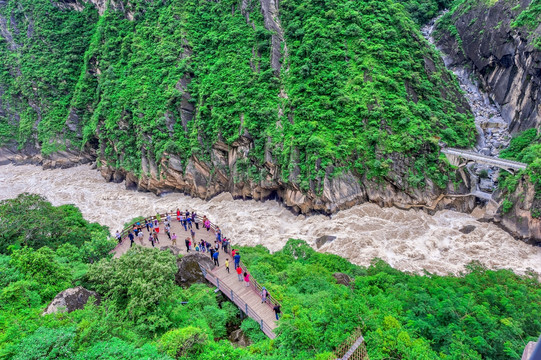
[(491, 160), (254, 285), (233, 296), (353, 347)]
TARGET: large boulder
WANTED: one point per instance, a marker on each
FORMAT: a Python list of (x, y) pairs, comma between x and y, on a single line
[(239, 338), (342, 278), (189, 271), (70, 300)]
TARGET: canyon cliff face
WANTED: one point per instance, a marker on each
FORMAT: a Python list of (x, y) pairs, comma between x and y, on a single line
[(501, 44), (504, 56), (301, 103)]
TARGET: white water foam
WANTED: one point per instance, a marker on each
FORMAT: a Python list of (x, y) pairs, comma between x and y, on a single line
[(408, 240)]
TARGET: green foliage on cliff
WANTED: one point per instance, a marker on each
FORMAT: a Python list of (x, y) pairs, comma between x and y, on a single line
[(423, 11), (530, 18), (525, 147), (356, 88), (41, 49), (30, 220)]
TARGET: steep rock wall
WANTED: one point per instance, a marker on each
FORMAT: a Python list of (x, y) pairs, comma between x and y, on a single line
[(303, 104), (505, 57)]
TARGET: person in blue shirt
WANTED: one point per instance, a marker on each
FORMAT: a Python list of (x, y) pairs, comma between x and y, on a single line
[(237, 260), (131, 236), (215, 257)]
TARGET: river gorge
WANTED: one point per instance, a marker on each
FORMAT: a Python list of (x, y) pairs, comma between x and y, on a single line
[(408, 240)]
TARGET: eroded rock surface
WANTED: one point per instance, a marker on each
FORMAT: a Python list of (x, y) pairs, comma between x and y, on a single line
[(70, 300), (189, 271)]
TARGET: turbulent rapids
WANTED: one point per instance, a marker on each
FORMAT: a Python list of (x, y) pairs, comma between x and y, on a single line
[(408, 240)]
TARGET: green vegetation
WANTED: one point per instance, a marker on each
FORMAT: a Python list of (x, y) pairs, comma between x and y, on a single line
[(422, 11), (145, 315), (30, 220), (40, 63), (529, 17), (525, 147), (357, 88)]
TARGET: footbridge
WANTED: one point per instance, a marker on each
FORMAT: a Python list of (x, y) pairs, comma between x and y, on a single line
[(458, 157)]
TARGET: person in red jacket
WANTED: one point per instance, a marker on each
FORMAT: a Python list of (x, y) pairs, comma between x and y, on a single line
[(239, 273)]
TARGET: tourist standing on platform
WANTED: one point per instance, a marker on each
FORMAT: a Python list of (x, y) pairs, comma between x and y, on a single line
[(174, 239), (157, 227), (183, 221), (211, 251), (247, 279), (151, 239), (227, 265), (192, 233), (189, 221), (141, 237), (168, 217), (237, 260), (239, 273), (277, 311), (215, 258), (168, 231), (156, 240), (264, 294), (202, 245), (147, 223), (225, 244), (194, 220), (216, 246), (178, 215), (118, 237), (131, 236), (218, 234), (187, 242)]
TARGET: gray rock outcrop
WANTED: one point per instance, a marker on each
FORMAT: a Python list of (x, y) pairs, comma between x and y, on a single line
[(503, 57), (70, 300), (239, 338), (189, 271), (342, 278)]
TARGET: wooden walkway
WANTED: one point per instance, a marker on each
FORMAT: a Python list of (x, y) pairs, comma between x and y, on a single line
[(246, 297)]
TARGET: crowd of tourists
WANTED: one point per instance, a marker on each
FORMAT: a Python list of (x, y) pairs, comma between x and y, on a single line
[(190, 221)]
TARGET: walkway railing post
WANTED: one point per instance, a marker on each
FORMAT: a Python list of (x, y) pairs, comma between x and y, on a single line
[(246, 308), (232, 296), (218, 283), (261, 325)]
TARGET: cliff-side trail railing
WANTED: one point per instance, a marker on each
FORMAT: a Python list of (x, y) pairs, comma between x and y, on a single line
[(247, 298), (353, 348), (242, 297)]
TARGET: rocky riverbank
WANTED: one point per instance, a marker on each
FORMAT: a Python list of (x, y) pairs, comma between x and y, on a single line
[(409, 240)]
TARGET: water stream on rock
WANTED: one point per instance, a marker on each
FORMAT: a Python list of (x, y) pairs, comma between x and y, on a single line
[(492, 128), (408, 240)]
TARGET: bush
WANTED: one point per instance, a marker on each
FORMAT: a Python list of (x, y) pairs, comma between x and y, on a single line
[(183, 343), (30, 220)]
